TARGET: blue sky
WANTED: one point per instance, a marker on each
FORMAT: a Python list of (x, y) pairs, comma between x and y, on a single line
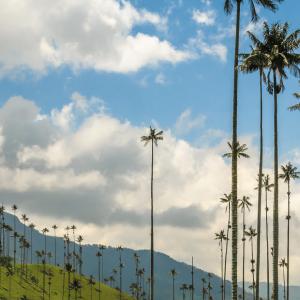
[(203, 84)]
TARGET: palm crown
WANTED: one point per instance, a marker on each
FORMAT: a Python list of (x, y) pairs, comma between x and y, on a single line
[(153, 136), (289, 172)]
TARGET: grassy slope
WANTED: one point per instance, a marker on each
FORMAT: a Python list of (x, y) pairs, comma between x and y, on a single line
[(34, 291)]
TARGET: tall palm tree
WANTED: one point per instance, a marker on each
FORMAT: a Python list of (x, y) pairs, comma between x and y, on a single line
[(91, 283), (244, 204), (289, 172), (121, 266), (192, 286), (257, 61), (283, 264), (228, 7), (204, 289), (54, 227), (2, 239), (31, 226), (153, 138), (73, 228), (99, 255), (226, 199), (173, 273), (102, 248), (251, 233), (137, 261), (221, 237), (267, 186), (209, 286), (280, 46), (14, 208), (79, 241)]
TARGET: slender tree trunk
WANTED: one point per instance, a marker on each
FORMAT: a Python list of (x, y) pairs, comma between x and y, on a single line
[(99, 276), (15, 241), (31, 246), (193, 274), (267, 243), (173, 287), (288, 243), (259, 188), (152, 233), (284, 290), (226, 249), (55, 262), (244, 248), (252, 262), (222, 271), (234, 174), (276, 191)]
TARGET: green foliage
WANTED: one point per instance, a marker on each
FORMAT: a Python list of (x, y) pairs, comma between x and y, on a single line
[(11, 287)]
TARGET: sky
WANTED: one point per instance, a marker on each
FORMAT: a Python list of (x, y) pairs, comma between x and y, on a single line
[(82, 80)]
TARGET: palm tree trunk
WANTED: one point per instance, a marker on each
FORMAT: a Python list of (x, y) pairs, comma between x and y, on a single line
[(31, 246), (173, 287), (253, 280), (234, 160), (267, 241), (288, 244), (284, 290), (259, 188), (226, 250), (99, 276), (222, 272), (152, 237), (276, 190), (244, 248), (15, 241)]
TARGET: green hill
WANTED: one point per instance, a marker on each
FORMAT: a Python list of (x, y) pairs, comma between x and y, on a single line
[(15, 286)]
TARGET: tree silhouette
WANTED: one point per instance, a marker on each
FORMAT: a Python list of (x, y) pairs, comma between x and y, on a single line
[(173, 273), (289, 172), (244, 204), (153, 138), (283, 264)]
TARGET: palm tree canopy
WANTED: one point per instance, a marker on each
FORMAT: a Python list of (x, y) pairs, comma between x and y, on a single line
[(269, 4), (153, 136), (220, 236), (251, 233), (266, 183), (279, 47), (289, 172), (283, 263), (245, 203), (173, 272), (241, 151)]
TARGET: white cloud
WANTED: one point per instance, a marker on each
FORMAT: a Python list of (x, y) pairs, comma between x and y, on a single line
[(93, 34), (204, 17), (186, 123), (101, 169), (160, 79), (202, 47)]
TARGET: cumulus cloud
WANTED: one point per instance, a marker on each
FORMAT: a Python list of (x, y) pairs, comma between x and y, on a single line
[(81, 34), (202, 47), (204, 17), (96, 175)]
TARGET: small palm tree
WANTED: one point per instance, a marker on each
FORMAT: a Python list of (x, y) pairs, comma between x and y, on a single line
[(289, 172), (184, 287), (102, 248), (244, 204), (121, 266), (31, 226), (75, 286), (221, 237), (226, 199), (14, 208), (153, 138), (99, 255), (173, 273), (283, 264), (91, 283), (251, 233), (267, 187), (54, 227)]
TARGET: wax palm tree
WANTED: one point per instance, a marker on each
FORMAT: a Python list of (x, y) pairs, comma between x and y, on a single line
[(257, 61), (73, 228), (267, 187), (69, 269), (283, 264), (99, 255), (102, 248), (153, 138), (173, 273), (31, 226), (191, 287), (296, 106), (54, 227), (244, 204), (184, 287), (226, 199), (121, 266), (137, 261), (228, 7), (75, 286), (2, 239), (251, 233), (14, 208), (221, 237), (209, 286), (204, 289), (241, 151), (79, 241), (280, 46), (91, 283), (289, 172)]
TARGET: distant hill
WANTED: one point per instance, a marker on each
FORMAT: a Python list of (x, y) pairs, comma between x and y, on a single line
[(163, 265)]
